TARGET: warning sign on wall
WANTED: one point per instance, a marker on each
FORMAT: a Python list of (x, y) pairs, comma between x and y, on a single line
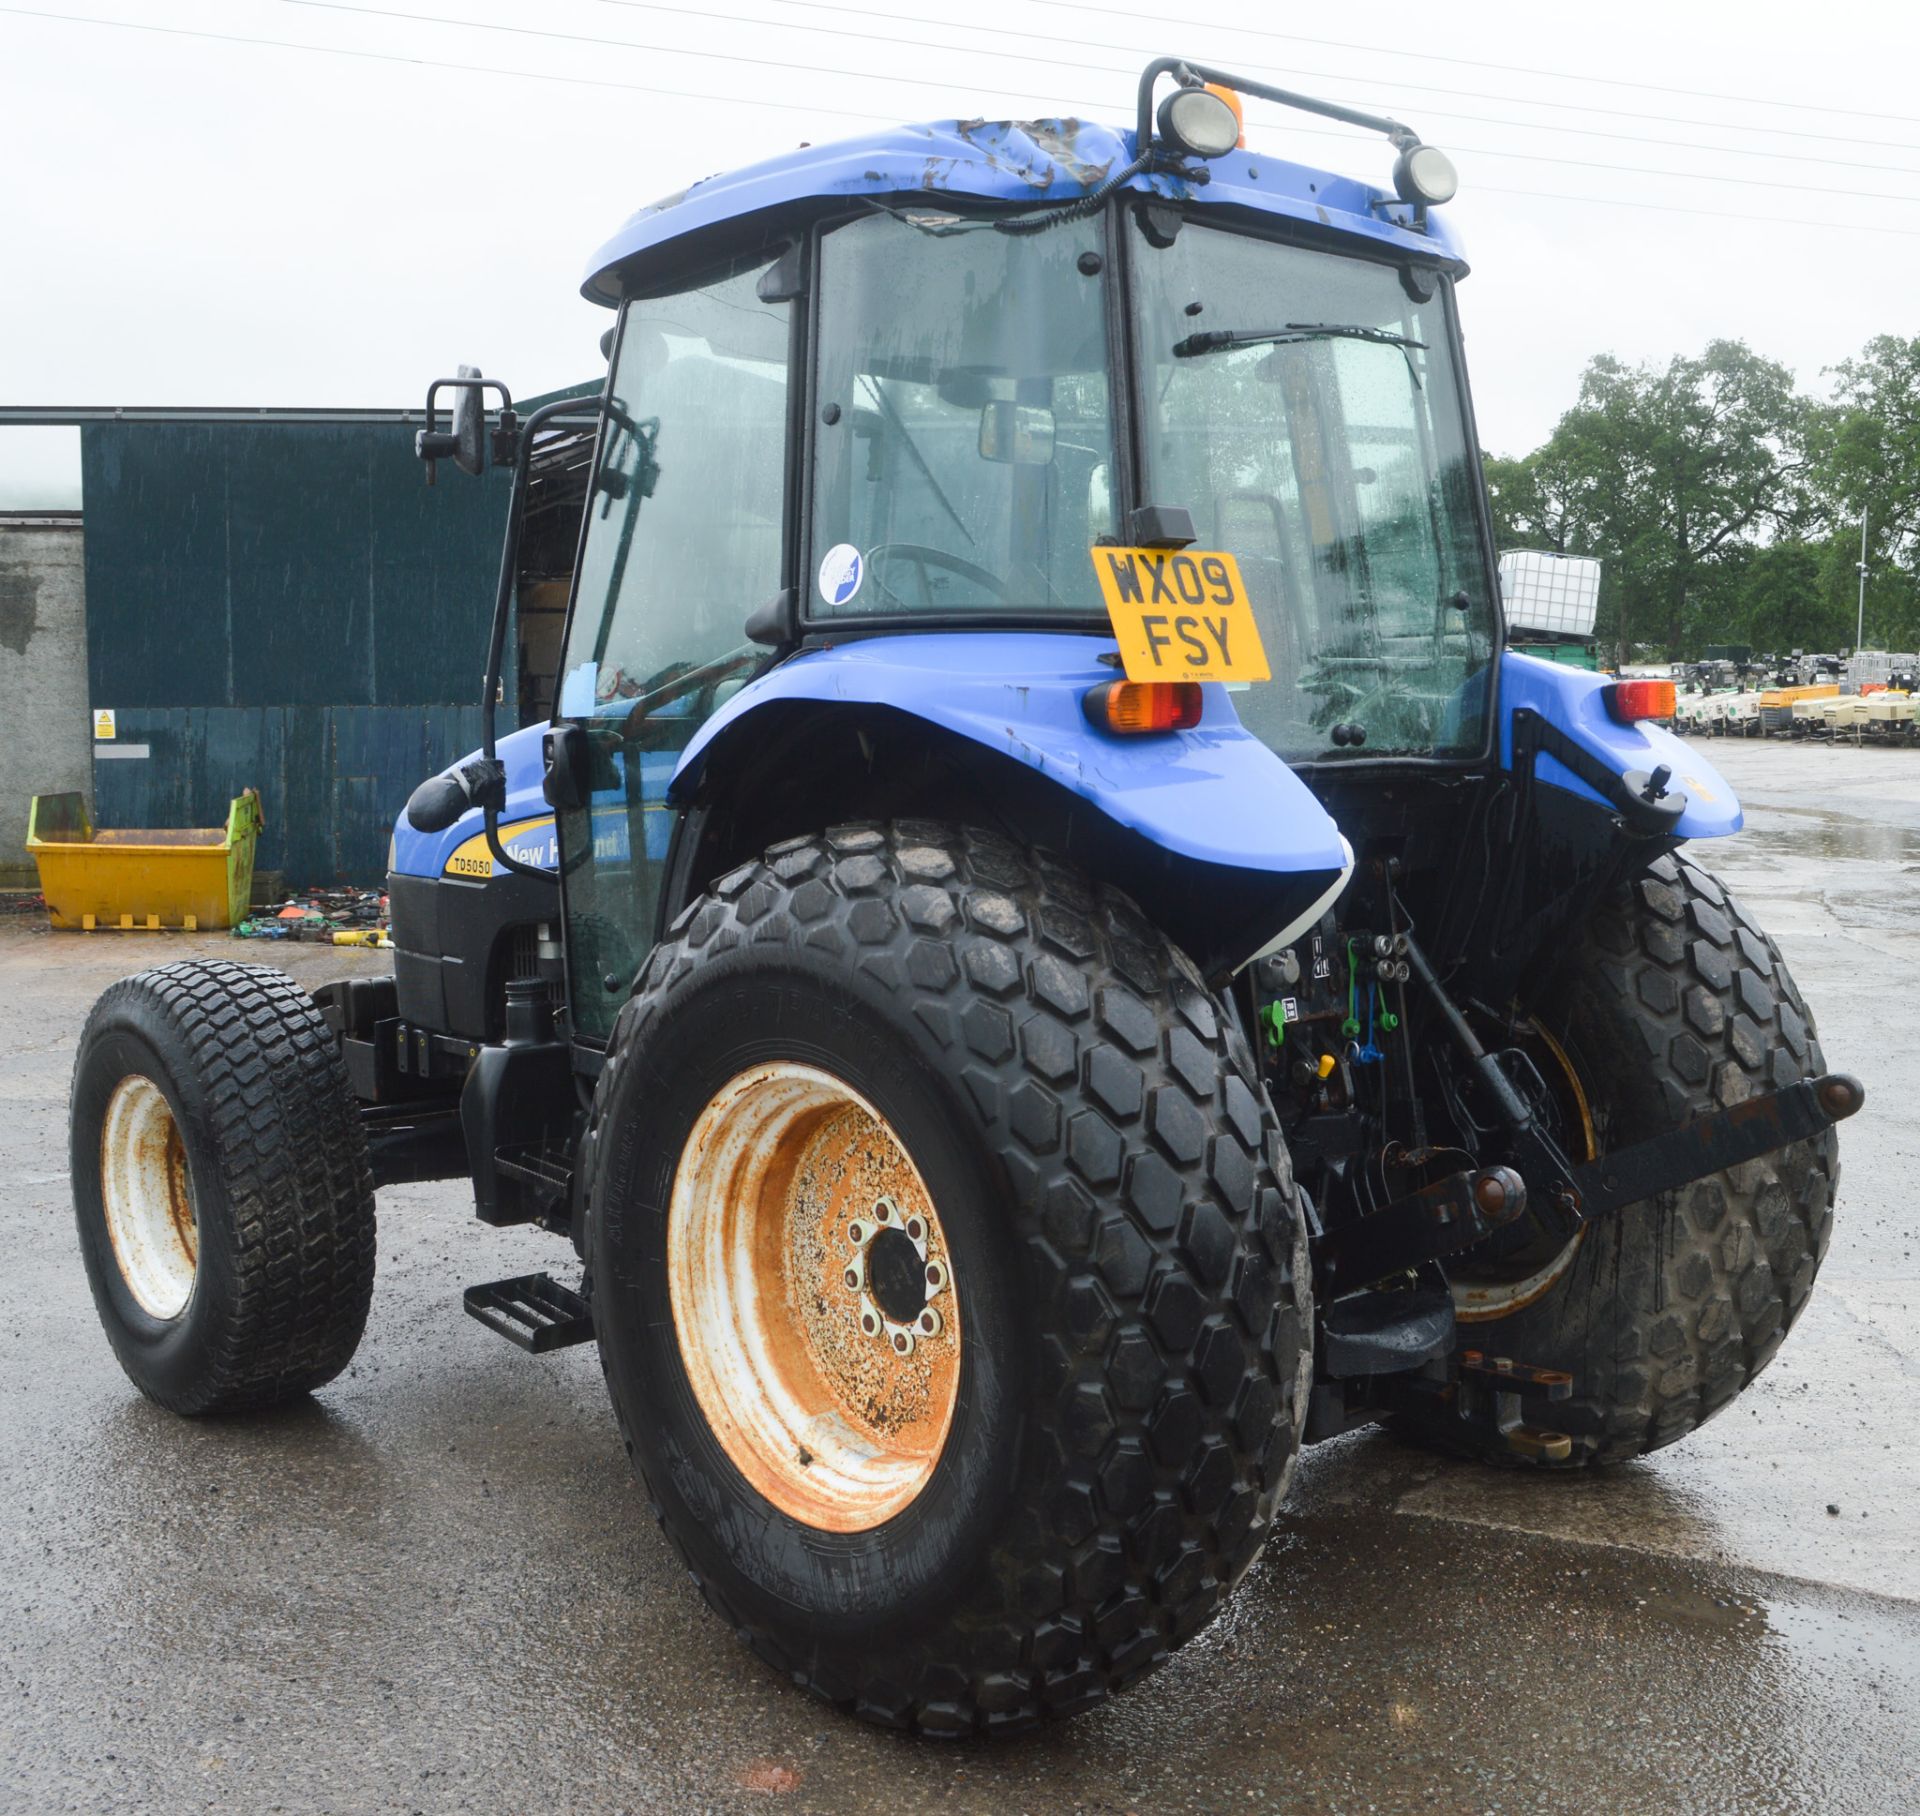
[(103, 726)]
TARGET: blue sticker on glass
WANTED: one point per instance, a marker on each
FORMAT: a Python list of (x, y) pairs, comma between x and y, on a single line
[(841, 571)]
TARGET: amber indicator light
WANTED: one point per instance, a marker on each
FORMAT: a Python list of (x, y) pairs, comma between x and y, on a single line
[(1139, 706)]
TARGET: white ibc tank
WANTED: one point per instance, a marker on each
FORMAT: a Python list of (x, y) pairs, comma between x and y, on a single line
[(1557, 593)]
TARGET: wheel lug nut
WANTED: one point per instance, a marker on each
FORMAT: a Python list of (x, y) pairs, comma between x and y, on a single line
[(915, 1228), (853, 1276)]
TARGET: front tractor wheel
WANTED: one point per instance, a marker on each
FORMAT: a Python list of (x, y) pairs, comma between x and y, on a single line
[(943, 1262), (221, 1187)]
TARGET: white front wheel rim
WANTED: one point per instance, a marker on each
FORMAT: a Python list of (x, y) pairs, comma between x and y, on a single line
[(147, 1194)]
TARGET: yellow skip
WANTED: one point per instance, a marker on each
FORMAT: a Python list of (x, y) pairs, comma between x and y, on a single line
[(141, 879)]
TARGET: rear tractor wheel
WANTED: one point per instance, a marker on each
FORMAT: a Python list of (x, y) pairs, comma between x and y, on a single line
[(944, 1269), (1674, 1005)]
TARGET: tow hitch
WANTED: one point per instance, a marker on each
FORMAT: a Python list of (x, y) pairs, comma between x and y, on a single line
[(1405, 1340), (1465, 1208), (1744, 1131)]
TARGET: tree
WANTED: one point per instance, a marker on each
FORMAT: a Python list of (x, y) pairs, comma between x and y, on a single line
[(1670, 475), (1866, 451), (1534, 506), (1779, 596)]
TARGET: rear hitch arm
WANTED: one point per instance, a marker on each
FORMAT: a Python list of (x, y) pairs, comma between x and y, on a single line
[(1457, 1212), (1711, 1144), (1440, 1219)]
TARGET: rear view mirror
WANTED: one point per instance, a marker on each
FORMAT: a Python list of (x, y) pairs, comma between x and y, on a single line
[(1016, 435), (465, 443), (469, 424)]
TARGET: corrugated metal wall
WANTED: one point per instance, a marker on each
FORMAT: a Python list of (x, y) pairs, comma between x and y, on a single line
[(43, 675), (285, 605)]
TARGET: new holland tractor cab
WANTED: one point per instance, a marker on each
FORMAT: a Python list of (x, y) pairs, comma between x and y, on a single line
[(1048, 954)]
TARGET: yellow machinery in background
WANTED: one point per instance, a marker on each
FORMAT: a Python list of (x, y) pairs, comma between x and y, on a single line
[(1777, 704), (198, 877)]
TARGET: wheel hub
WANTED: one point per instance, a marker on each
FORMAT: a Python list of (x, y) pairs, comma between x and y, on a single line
[(897, 1275), (894, 1272)]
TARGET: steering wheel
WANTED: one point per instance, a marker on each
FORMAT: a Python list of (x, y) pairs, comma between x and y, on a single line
[(927, 559)]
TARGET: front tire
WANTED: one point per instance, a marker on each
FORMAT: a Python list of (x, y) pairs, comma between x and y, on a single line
[(924, 1032), (221, 1186)]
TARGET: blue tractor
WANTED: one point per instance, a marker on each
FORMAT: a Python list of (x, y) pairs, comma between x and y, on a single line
[(1049, 953)]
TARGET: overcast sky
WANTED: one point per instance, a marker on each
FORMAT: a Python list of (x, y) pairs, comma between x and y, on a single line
[(185, 219)]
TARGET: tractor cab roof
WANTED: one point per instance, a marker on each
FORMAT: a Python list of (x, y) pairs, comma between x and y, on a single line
[(966, 164)]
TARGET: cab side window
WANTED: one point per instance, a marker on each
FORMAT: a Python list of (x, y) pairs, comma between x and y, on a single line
[(683, 542)]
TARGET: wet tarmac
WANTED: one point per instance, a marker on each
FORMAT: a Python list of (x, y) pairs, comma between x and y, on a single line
[(434, 1587)]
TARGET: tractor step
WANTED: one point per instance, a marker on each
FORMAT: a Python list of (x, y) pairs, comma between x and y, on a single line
[(1386, 1333), (532, 1310)]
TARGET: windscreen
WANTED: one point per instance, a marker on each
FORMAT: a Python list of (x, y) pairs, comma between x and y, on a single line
[(962, 446), (1304, 407)]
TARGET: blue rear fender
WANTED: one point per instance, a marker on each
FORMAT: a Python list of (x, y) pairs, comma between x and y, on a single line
[(1213, 799), (1571, 699), (1214, 795)]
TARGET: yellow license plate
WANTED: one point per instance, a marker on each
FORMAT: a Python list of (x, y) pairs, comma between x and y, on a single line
[(1180, 615)]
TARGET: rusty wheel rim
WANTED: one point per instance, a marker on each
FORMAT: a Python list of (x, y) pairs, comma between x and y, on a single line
[(148, 1197), (813, 1297)]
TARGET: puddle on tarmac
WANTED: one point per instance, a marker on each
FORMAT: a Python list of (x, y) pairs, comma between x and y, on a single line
[(1685, 1606), (1828, 1633), (1834, 837)]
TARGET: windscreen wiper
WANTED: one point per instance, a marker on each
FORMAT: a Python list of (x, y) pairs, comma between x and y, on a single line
[(1215, 340)]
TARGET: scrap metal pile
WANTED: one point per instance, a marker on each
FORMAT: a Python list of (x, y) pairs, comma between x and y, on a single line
[(326, 917)]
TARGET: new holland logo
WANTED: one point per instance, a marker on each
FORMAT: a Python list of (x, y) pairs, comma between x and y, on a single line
[(531, 842)]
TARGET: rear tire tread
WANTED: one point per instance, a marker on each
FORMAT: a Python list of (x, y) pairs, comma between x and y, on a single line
[(1162, 1525), (1666, 1321)]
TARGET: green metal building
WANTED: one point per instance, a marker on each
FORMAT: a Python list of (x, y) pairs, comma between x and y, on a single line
[(277, 599)]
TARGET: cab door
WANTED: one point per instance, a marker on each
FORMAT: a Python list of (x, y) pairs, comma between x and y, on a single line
[(685, 536)]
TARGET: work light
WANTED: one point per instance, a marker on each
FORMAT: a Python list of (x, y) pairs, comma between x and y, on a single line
[(1424, 174), (1199, 122)]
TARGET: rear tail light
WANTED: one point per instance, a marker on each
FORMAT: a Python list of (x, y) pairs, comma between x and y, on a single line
[(1631, 700), (1136, 706)]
